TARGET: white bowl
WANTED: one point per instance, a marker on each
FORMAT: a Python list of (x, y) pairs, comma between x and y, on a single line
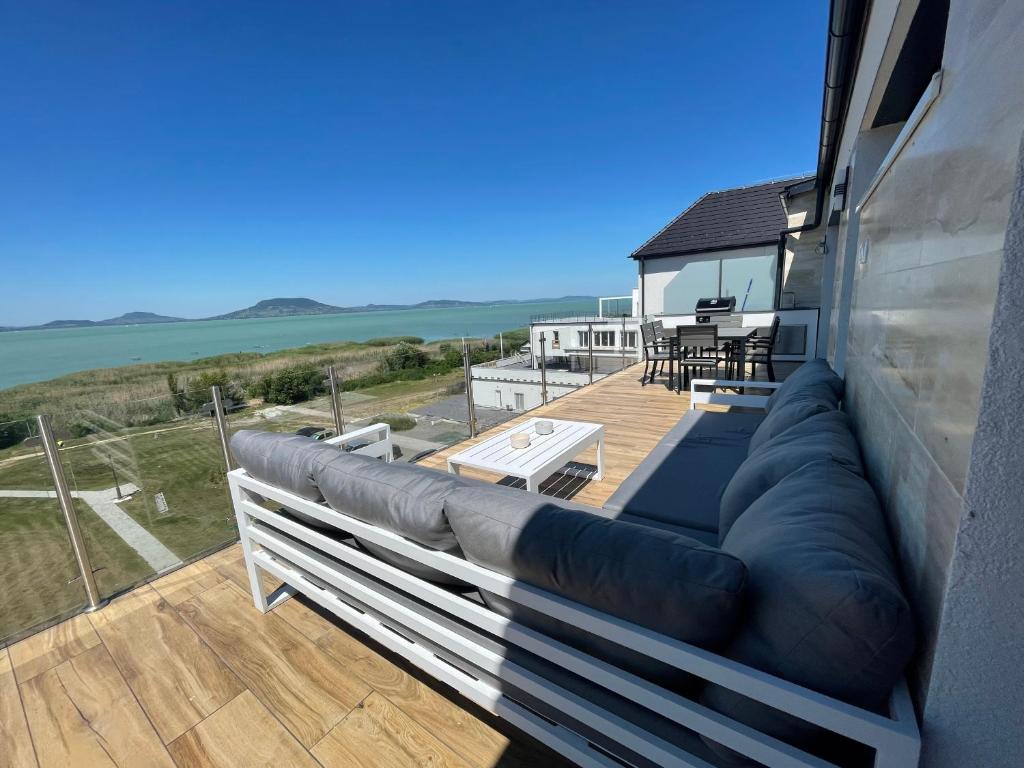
[(520, 440), (544, 427)]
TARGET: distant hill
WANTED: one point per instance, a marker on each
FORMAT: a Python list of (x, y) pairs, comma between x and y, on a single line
[(284, 307), (280, 308), (140, 318)]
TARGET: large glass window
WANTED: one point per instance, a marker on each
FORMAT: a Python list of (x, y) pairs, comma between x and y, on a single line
[(751, 279)]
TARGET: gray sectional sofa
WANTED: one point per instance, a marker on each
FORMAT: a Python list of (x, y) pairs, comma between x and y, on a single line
[(752, 537)]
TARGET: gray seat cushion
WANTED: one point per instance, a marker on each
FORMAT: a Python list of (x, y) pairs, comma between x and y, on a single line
[(402, 498), (824, 605), (814, 377), (795, 409), (660, 580), (284, 461), (818, 437), (680, 483)]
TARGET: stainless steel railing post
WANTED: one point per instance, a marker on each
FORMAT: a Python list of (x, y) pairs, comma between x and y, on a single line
[(336, 410), (590, 350), (67, 506), (543, 372), (222, 427), (467, 364), (622, 342)]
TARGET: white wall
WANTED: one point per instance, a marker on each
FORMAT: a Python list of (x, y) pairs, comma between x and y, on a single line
[(496, 388)]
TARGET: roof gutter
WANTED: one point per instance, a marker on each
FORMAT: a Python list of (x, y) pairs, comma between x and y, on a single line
[(845, 24)]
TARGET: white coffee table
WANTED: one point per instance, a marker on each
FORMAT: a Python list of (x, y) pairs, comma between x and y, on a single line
[(546, 454)]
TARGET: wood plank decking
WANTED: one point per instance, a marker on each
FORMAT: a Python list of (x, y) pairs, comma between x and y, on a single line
[(184, 671), (635, 418)]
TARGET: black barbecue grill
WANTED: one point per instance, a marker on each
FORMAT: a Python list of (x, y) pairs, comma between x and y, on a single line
[(717, 307)]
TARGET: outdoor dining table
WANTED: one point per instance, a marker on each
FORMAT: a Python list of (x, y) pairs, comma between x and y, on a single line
[(738, 337)]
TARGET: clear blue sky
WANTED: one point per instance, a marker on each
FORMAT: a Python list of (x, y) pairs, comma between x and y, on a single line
[(190, 158)]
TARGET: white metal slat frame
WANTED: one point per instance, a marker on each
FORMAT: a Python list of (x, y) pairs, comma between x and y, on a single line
[(896, 740)]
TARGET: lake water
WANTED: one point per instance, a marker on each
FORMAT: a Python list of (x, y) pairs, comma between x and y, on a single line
[(27, 356)]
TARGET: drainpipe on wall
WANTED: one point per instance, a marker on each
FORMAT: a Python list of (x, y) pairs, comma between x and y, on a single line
[(643, 292)]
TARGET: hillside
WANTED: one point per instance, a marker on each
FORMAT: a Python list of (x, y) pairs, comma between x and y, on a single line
[(281, 308)]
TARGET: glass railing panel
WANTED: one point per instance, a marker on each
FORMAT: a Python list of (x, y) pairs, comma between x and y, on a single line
[(151, 485), (38, 570)]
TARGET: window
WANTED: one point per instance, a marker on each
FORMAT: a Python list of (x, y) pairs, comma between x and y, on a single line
[(555, 343), (604, 338), (584, 338), (751, 279), (520, 401), (630, 342)]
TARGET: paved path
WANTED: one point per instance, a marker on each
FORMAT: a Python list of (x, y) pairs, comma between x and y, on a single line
[(104, 504)]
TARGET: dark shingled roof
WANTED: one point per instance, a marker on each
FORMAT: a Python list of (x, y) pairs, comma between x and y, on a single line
[(718, 221)]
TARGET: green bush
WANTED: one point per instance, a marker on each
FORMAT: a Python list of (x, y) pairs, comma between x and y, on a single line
[(197, 390), (405, 356), (399, 422), (390, 341), (294, 384), (12, 431)]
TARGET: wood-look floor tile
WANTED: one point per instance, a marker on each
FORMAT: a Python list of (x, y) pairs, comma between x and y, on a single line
[(463, 732), (377, 734), (180, 585), (176, 677), (301, 685), (52, 646), (82, 713), (15, 743), (242, 734)]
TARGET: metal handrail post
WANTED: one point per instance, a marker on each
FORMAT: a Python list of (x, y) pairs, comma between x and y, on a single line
[(622, 342), (336, 409), (543, 372), (67, 507), (222, 427), (590, 350), (470, 407)]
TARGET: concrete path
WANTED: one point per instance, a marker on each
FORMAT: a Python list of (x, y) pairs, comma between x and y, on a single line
[(104, 504)]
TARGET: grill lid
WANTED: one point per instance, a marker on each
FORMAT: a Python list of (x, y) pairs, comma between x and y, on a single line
[(721, 305)]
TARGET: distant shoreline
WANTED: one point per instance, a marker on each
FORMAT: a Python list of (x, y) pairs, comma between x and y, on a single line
[(27, 358), (279, 308)]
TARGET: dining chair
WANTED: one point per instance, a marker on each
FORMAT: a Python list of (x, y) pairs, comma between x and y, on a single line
[(702, 341)]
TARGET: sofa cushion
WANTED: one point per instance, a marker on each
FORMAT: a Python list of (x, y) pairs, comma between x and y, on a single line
[(660, 580), (824, 605), (681, 481), (815, 377), (402, 498), (818, 437), (795, 409), (282, 460)]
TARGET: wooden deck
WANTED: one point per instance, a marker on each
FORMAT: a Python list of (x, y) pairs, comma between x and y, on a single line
[(635, 418), (184, 671)]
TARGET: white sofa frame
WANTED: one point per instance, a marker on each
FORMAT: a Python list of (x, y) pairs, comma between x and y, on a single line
[(303, 563)]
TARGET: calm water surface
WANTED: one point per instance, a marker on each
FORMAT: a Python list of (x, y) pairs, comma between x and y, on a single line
[(27, 356)]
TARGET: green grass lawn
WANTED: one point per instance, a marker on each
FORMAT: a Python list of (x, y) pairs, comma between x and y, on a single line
[(183, 464), (37, 566)]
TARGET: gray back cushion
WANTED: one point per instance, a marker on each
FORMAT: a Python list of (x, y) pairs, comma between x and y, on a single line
[(402, 498), (795, 409), (815, 377), (820, 436), (825, 608), (655, 578), (282, 460)]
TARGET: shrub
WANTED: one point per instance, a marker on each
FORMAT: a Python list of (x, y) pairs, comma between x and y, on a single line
[(405, 356), (399, 422), (294, 384), (389, 341), (12, 431), (197, 390)]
